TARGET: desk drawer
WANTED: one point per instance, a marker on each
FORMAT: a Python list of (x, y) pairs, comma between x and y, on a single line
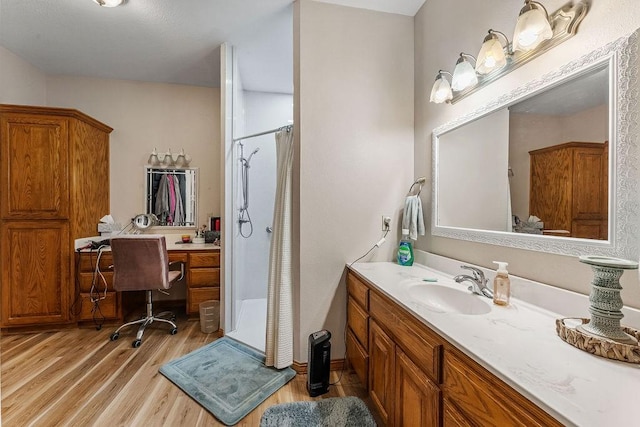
[(204, 259), (86, 279), (358, 290), (196, 296), (422, 346), (358, 321), (201, 277), (87, 261), (108, 307)]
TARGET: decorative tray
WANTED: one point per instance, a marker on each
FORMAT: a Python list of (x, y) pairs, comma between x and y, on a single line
[(599, 346)]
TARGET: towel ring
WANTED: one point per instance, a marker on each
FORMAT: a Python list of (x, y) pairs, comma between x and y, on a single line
[(419, 182)]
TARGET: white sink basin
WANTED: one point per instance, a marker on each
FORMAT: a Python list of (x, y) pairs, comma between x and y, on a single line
[(443, 299)]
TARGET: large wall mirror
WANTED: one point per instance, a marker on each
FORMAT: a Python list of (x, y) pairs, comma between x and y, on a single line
[(548, 167), (171, 195)]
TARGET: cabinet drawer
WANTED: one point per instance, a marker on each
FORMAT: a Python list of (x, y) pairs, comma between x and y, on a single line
[(196, 296), (204, 259), (201, 277), (358, 290), (358, 321), (358, 359), (108, 307), (421, 345), (484, 398), (86, 279)]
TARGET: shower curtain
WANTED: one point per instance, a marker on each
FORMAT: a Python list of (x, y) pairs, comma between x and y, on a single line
[(279, 339)]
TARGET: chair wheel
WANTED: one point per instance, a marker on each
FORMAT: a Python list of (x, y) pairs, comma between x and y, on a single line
[(173, 331), (136, 343), (114, 336), (173, 318)]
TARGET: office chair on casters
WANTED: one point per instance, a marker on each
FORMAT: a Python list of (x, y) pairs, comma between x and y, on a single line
[(141, 263)]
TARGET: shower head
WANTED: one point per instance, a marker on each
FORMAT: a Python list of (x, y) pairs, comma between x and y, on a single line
[(251, 155)]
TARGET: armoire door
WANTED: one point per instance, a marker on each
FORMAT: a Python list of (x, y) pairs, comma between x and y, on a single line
[(34, 166), (34, 267)]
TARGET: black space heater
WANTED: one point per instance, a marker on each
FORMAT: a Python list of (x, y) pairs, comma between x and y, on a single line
[(319, 363)]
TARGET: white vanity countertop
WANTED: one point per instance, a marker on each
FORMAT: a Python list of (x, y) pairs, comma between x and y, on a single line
[(519, 344)]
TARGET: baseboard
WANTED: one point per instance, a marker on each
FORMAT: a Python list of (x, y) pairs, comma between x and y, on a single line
[(301, 368)]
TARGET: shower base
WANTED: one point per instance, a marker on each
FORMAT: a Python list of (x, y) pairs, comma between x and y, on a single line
[(252, 323)]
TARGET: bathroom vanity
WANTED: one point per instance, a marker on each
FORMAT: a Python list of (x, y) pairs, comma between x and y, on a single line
[(431, 354)]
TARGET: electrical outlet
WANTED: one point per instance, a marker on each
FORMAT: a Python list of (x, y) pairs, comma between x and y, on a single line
[(386, 223)]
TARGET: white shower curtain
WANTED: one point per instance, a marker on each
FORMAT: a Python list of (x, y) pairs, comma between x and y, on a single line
[(279, 340)]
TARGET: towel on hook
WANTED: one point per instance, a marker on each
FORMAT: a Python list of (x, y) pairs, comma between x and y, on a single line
[(412, 220)]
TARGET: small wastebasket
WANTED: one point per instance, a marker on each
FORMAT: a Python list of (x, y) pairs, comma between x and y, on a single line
[(209, 316)]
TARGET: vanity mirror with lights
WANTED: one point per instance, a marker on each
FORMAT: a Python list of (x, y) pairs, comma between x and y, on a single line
[(549, 166), (171, 195)]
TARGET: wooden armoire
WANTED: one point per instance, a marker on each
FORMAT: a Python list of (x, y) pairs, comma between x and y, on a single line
[(569, 188), (54, 188)]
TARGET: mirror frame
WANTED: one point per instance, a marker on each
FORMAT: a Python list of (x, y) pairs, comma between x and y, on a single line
[(622, 58)]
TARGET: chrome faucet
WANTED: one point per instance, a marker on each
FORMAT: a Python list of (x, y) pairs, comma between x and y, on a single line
[(478, 281)]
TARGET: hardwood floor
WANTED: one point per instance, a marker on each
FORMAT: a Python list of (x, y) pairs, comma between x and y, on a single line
[(78, 377)]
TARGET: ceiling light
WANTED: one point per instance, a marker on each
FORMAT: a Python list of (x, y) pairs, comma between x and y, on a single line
[(492, 54), (464, 75), (533, 27), (109, 3), (441, 91)]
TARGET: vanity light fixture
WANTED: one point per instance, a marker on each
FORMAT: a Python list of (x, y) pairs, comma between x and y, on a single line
[(464, 75), (109, 3), (441, 91), (533, 27), (492, 55), (536, 32)]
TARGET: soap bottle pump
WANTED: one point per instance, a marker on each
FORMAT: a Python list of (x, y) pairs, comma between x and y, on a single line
[(405, 250), (501, 284)]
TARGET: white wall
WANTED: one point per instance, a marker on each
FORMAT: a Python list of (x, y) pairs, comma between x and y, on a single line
[(143, 116), (465, 23), (20, 82), (262, 111), (354, 144)]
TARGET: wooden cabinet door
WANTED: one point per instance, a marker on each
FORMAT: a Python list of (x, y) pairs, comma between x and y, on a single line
[(35, 265), (588, 184), (35, 167), (417, 399), (381, 372)]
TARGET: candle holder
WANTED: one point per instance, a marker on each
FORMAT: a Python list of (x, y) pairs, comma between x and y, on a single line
[(604, 299)]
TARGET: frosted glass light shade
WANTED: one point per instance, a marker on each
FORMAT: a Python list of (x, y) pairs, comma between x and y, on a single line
[(109, 3), (441, 91), (464, 76), (491, 56), (532, 28)]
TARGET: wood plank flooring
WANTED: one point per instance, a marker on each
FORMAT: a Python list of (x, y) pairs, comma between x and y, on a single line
[(78, 377)]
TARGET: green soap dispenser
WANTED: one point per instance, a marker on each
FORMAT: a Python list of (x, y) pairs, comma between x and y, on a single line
[(405, 251)]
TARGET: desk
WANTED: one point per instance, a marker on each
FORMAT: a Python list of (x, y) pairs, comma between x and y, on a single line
[(202, 270)]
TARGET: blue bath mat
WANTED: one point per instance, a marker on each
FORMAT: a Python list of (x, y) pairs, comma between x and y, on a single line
[(332, 412), (227, 378)]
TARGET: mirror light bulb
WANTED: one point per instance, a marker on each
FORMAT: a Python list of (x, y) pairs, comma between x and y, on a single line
[(491, 56), (532, 28), (464, 76), (441, 91)]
